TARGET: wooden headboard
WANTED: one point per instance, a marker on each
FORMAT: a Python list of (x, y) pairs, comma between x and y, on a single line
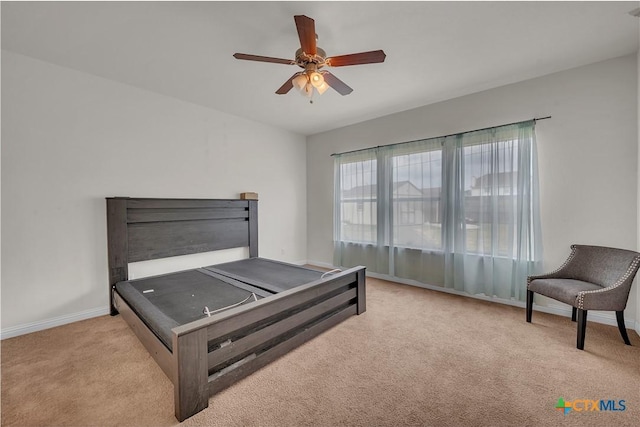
[(140, 229)]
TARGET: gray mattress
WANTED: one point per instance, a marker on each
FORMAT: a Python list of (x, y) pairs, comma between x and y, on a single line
[(166, 301)]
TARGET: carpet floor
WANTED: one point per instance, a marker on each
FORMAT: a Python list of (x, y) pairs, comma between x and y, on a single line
[(415, 357)]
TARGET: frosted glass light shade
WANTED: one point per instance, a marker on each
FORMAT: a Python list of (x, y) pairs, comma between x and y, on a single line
[(308, 90), (316, 79), (300, 81), (322, 88)]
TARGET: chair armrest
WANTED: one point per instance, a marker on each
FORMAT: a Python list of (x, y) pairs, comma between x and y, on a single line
[(610, 298), (557, 274), (560, 273)]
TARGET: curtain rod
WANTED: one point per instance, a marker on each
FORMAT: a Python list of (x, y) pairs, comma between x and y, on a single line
[(437, 137)]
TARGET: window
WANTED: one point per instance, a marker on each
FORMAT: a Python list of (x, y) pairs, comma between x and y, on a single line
[(358, 201), (490, 201), (461, 209), (417, 181)]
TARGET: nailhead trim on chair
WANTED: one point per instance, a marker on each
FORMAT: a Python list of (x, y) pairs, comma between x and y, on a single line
[(571, 256), (623, 279)]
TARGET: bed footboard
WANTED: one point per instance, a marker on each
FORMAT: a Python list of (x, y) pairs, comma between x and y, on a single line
[(213, 353)]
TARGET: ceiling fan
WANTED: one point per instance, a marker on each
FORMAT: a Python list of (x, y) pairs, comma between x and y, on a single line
[(312, 59)]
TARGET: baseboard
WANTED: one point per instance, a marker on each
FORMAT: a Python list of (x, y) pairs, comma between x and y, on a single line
[(565, 310), (604, 317), (323, 264), (41, 325)]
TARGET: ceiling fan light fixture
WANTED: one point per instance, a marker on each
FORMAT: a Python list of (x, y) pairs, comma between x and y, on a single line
[(322, 88), (316, 79), (308, 90), (300, 81), (311, 58)]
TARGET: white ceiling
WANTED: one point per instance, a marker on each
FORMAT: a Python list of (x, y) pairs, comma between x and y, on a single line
[(435, 50)]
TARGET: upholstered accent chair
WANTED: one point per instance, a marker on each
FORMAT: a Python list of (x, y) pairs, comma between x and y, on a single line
[(592, 278)]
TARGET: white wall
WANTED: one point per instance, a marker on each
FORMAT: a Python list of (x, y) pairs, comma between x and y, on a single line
[(70, 139), (588, 154)]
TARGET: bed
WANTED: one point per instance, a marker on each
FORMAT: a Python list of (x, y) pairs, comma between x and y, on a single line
[(209, 327)]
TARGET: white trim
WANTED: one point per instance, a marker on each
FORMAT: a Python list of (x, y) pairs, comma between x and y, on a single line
[(40, 325), (324, 265), (603, 317)]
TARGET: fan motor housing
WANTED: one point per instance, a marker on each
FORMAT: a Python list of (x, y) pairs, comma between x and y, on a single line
[(303, 58)]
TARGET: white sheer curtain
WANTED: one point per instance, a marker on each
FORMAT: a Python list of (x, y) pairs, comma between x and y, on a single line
[(459, 211), (356, 211)]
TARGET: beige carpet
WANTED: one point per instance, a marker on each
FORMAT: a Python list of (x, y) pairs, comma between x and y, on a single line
[(416, 357)]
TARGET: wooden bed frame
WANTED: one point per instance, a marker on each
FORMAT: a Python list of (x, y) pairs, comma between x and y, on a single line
[(142, 229)]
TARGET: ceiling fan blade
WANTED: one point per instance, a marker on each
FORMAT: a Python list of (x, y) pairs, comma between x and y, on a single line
[(263, 59), (371, 57), (337, 84), (287, 86), (307, 33)]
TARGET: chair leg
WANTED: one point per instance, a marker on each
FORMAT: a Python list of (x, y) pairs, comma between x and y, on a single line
[(529, 305), (621, 326), (582, 326), (573, 314)]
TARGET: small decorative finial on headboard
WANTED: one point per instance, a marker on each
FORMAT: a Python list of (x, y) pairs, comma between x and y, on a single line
[(249, 196)]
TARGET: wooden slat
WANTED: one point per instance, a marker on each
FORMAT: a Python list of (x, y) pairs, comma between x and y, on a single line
[(253, 228), (236, 318), (257, 338), (274, 305), (154, 346), (156, 215), (165, 239), (185, 203), (362, 294), (218, 383), (224, 321), (117, 245), (196, 232), (190, 387)]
